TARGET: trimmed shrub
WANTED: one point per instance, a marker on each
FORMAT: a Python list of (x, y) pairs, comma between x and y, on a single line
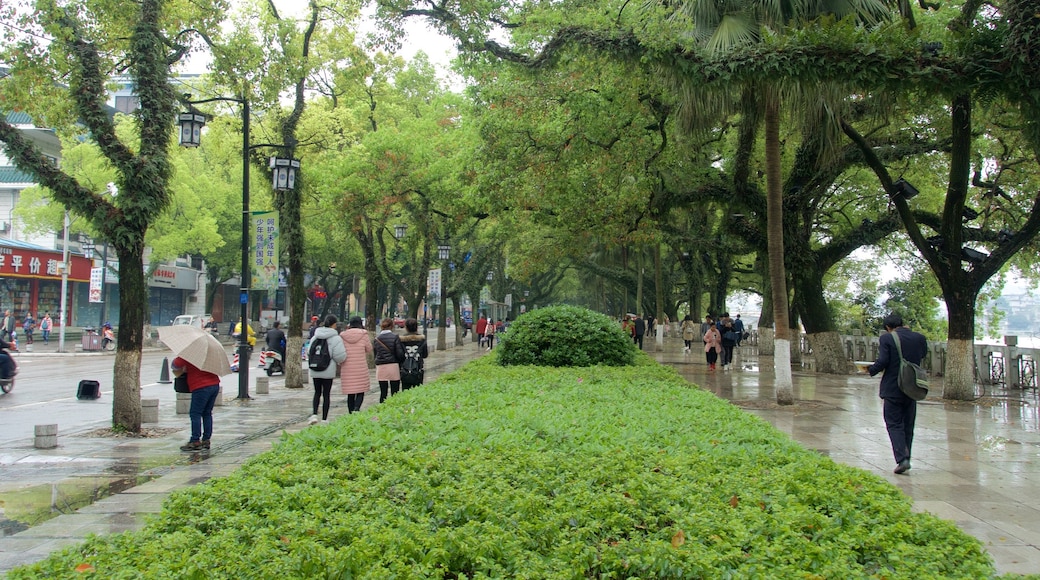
[(565, 336), (536, 473)]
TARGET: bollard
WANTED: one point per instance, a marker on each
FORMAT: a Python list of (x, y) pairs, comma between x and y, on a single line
[(164, 374), (183, 403), (306, 377), (149, 410), (262, 386), (46, 436)]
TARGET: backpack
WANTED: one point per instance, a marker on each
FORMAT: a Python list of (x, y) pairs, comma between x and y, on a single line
[(411, 368), (318, 356)]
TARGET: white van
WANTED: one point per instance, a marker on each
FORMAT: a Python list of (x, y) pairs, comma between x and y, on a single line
[(191, 320)]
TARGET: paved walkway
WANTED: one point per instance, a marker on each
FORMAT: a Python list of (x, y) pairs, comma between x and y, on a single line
[(974, 464)]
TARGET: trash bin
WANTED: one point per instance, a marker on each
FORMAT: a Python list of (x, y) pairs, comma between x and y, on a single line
[(91, 340)]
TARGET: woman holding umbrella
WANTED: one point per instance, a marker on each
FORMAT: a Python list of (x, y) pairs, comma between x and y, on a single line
[(205, 361)]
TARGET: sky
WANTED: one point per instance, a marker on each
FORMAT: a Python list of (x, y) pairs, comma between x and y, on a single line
[(418, 37)]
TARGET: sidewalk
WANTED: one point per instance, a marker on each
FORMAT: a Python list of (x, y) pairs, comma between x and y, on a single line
[(977, 465), (105, 485)]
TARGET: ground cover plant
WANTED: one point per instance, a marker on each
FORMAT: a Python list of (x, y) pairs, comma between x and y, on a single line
[(565, 336), (530, 472)]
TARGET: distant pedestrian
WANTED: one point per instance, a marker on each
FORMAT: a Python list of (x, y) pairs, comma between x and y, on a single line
[(353, 374), (688, 328), (7, 326), (389, 355), (313, 327), (738, 327), (323, 378), (712, 343), (45, 327), (900, 411), (638, 331), (729, 341), (481, 328), (489, 334), (28, 326)]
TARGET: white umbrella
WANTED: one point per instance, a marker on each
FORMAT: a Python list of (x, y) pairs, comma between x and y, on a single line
[(197, 347)]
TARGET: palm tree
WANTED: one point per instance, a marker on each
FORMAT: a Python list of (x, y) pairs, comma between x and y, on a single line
[(723, 26)]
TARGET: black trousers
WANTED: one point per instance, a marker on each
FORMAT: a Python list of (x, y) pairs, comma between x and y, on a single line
[(354, 401), (900, 414), (322, 388), (388, 388)]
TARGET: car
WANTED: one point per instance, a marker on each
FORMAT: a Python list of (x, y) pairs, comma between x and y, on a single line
[(191, 320)]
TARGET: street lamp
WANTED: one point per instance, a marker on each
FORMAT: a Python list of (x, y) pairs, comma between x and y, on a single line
[(443, 253), (400, 230), (284, 179)]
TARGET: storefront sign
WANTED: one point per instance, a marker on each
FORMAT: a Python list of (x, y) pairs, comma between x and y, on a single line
[(24, 263), (433, 287), (173, 277)]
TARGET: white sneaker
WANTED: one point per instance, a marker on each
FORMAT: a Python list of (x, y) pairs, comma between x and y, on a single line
[(312, 420), (324, 421)]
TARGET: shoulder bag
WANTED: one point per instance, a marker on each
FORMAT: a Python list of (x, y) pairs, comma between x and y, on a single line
[(913, 380)]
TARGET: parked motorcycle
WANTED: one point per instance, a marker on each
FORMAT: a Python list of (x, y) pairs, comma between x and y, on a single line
[(7, 384), (273, 362)]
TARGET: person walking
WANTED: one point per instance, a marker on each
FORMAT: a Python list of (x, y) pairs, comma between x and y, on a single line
[(353, 372), (45, 327), (389, 355), (28, 326), (7, 326), (204, 387), (688, 328), (481, 328), (729, 340), (712, 344), (639, 329), (900, 411), (489, 334), (416, 351), (738, 327), (323, 378)]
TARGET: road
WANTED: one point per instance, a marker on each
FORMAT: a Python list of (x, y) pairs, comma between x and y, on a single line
[(45, 392)]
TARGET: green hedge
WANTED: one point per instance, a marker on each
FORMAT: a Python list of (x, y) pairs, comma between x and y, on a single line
[(527, 472), (565, 336)]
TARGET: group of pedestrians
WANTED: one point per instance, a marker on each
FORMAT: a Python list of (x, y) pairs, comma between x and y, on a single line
[(719, 337), (486, 330), (9, 327), (398, 362)]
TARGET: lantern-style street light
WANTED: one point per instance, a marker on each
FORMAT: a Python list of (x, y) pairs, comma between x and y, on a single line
[(400, 230), (284, 179)]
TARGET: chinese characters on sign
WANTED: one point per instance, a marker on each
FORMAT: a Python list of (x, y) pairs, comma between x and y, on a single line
[(433, 287), (265, 251), (95, 284)]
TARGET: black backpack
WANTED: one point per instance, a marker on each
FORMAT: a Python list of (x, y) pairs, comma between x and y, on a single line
[(412, 367), (318, 356)]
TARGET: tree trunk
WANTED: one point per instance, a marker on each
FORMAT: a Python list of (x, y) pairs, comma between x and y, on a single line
[(126, 373), (959, 380), (775, 238), (659, 308)]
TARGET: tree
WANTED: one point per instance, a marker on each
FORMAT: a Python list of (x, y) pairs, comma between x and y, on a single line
[(82, 46)]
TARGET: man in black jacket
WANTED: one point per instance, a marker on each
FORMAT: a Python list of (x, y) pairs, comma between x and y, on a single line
[(900, 410)]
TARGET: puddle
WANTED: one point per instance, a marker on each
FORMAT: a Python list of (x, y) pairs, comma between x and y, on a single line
[(994, 443), (30, 506)]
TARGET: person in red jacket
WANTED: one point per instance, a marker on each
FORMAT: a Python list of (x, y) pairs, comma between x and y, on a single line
[(481, 327), (205, 388)]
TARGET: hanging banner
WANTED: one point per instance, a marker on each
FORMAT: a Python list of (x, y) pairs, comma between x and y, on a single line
[(433, 287), (95, 284), (265, 251)]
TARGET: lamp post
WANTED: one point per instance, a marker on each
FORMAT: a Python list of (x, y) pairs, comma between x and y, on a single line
[(443, 253), (64, 282), (284, 178)]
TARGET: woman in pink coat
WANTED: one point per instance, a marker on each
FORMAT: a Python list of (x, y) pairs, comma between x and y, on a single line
[(712, 342), (354, 372)]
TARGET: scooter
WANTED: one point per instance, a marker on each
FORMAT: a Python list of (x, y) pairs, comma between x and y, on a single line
[(273, 362), (108, 338), (7, 385)]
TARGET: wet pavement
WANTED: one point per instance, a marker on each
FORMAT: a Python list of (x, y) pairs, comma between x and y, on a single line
[(977, 465)]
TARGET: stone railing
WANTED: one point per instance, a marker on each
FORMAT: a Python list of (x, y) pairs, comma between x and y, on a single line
[(997, 364)]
